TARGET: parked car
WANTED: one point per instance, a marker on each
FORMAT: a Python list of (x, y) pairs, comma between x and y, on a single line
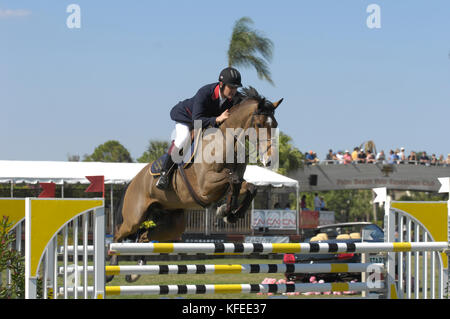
[(336, 233)]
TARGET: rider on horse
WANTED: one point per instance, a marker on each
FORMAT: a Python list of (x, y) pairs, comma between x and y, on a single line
[(210, 105)]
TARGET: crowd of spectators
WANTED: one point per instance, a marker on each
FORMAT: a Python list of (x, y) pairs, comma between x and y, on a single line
[(360, 156)]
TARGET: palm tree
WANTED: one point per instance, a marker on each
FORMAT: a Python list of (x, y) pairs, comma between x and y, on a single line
[(154, 150), (245, 44)]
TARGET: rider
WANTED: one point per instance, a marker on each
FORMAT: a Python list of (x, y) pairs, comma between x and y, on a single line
[(210, 105)]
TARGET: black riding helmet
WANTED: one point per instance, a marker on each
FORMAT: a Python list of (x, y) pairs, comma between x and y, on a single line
[(230, 76)]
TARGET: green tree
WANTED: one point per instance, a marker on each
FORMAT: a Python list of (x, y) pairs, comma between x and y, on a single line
[(73, 158), (13, 261), (245, 45), (110, 151), (348, 205), (154, 151), (419, 196), (290, 157)]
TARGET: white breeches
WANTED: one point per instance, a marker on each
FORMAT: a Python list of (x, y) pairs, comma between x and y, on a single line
[(181, 135)]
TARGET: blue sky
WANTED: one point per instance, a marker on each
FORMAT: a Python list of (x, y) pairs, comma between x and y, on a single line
[(65, 91)]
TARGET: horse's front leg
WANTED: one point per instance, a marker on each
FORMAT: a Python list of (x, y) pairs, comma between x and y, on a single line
[(232, 198), (232, 214)]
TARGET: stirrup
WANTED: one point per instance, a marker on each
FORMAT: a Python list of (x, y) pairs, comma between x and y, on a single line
[(163, 181)]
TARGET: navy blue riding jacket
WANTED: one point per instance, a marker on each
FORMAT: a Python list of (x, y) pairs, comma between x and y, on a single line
[(204, 106)]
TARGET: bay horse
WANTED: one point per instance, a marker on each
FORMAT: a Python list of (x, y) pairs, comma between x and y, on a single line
[(200, 184)]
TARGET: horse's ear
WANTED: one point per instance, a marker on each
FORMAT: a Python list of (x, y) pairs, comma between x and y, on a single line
[(276, 104)]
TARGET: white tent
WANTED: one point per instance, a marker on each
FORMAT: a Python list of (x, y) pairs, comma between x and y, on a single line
[(66, 172), (261, 176), (62, 173), (115, 173)]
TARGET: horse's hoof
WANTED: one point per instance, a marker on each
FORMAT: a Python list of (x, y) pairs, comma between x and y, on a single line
[(220, 212), (132, 278), (109, 278), (230, 219)]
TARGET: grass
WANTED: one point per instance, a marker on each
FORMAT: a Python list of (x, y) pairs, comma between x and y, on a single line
[(206, 279), (200, 279)]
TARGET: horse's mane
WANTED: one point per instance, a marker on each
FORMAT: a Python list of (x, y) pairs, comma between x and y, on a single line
[(250, 93)]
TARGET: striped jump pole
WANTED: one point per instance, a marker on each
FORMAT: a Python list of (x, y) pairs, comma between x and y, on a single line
[(235, 269), (234, 288), (267, 248)]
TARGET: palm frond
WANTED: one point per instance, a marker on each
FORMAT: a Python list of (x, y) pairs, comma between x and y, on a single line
[(246, 44)]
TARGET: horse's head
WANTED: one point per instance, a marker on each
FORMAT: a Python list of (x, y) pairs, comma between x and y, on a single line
[(252, 117), (263, 122)]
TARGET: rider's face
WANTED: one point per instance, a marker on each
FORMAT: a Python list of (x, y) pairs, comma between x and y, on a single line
[(229, 91)]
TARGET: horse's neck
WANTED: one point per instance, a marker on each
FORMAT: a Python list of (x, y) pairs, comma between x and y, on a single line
[(239, 118), (217, 174)]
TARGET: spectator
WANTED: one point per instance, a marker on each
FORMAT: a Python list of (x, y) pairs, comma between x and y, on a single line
[(311, 158), (322, 204), (381, 157), (402, 155), (396, 156), (287, 207), (441, 160), (331, 157), (355, 154), (434, 160), (340, 157), (276, 206), (412, 158), (370, 157), (391, 158), (361, 156), (317, 202), (316, 158), (424, 159), (303, 203), (447, 161), (347, 157)]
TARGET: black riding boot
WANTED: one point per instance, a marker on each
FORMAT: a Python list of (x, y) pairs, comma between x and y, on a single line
[(166, 171)]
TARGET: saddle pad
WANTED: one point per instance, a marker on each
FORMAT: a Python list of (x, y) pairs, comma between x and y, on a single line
[(155, 168)]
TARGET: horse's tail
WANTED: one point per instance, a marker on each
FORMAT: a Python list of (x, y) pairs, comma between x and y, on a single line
[(118, 218)]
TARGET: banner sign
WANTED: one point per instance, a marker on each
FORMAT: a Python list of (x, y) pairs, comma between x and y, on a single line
[(314, 218), (326, 218), (309, 218), (266, 239), (274, 219)]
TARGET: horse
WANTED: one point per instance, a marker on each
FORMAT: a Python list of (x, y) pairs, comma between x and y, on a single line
[(200, 183)]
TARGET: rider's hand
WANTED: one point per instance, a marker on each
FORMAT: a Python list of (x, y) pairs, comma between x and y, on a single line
[(222, 117)]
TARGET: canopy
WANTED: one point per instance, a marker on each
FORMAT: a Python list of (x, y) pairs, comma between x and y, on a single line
[(66, 172), (261, 176), (115, 173)]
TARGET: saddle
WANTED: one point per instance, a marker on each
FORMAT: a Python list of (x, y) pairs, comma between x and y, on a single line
[(155, 168)]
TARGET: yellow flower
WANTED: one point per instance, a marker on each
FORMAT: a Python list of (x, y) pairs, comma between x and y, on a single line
[(148, 224)]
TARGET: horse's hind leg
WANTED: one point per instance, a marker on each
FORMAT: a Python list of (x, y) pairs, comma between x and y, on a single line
[(121, 233), (170, 225), (133, 213)]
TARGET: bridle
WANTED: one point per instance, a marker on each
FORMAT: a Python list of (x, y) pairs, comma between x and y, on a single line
[(259, 140)]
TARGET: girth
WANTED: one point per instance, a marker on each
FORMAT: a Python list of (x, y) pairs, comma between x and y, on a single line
[(190, 189)]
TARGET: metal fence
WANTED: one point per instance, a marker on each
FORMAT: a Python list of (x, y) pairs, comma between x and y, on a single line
[(204, 221)]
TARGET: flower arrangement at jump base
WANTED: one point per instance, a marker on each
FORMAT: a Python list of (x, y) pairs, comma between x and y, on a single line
[(148, 224), (312, 280)]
